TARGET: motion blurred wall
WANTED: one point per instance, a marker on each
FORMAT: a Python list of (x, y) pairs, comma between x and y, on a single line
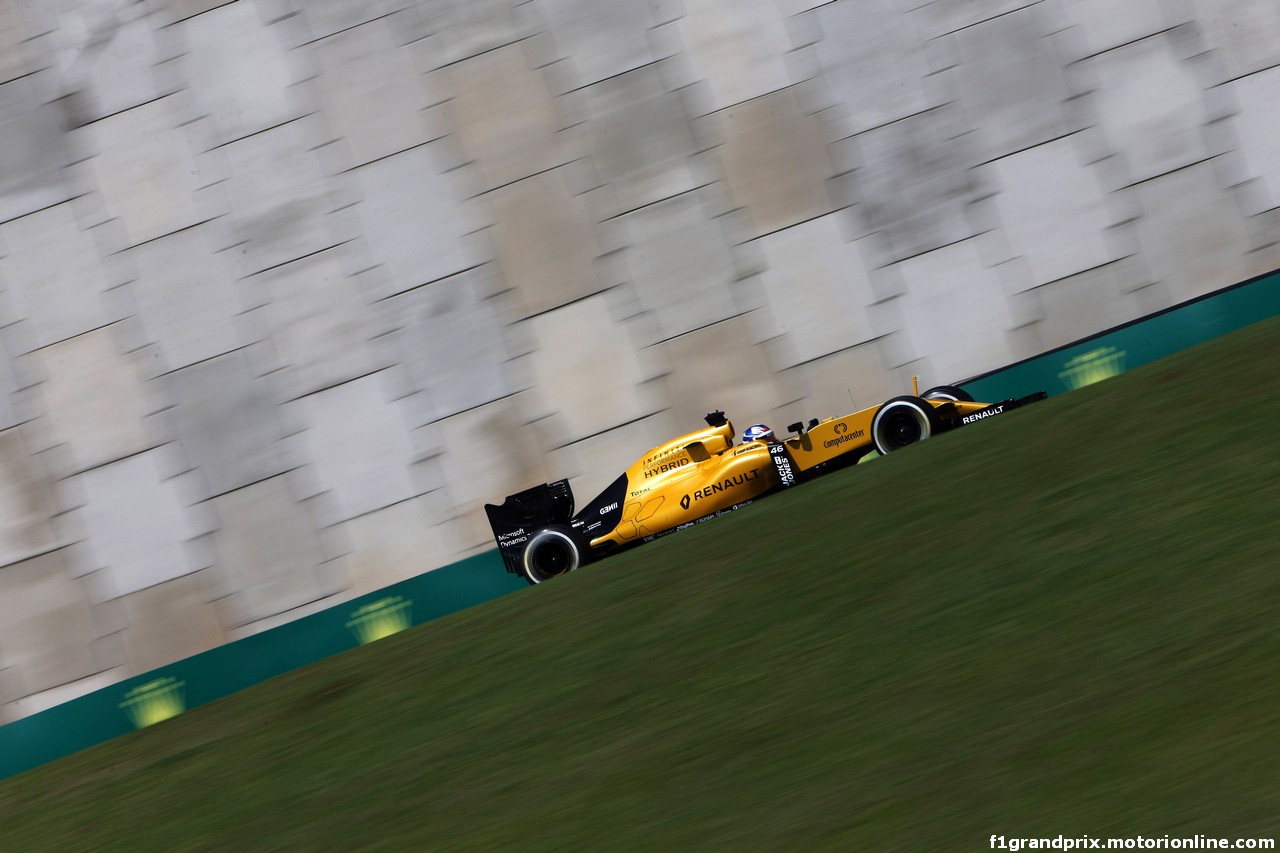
[(291, 288)]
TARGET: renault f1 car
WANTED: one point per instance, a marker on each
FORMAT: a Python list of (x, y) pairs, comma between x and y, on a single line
[(698, 476)]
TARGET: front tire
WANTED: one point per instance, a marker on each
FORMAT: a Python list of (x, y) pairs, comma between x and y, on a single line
[(948, 392), (551, 552), (903, 421)]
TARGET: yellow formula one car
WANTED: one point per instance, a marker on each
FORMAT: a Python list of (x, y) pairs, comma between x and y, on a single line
[(703, 474)]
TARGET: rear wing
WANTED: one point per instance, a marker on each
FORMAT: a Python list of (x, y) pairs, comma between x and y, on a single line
[(522, 514)]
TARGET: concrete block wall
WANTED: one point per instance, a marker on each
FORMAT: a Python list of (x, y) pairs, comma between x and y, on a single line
[(289, 290)]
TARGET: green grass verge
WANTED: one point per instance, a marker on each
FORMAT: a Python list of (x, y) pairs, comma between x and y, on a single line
[(1060, 621)]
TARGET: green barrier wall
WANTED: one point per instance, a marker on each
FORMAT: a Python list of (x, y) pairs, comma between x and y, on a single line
[(148, 698), (168, 691), (1132, 345)]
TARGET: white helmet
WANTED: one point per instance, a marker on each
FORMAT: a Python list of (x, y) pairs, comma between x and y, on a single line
[(757, 432)]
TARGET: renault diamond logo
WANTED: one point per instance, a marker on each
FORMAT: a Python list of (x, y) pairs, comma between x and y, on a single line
[(684, 502)]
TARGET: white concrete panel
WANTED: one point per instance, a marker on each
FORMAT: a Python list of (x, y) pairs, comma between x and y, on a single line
[(601, 39), (955, 313), (796, 7), (640, 138), (1085, 304), (545, 241), (738, 47), (397, 543), (818, 290), (14, 33), (1242, 34), (55, 273), (328, 17), (873, 63), (959, 14), (268, 552), (373, 97), (1011, 82), (231, 450), (1258, 128), (28, 500), (107, 58), (15, 374), (586, 369), (34, 153), (489, 453), (462, 30), (719, 367), (454, 346), (1104, 24), (240, 72), (844, 382), (14, 407), (136, 524), (512, 437), (1053, 212), (170, 621), (915, 184), (1194, 237), (360, 446), (95, 398), (46, 629), (317, 322), (680, 264), (774, 160), (145, 170), (186, 297), (1151, 109), (412, 222), (504, 115), (172, 11), (280, 197)]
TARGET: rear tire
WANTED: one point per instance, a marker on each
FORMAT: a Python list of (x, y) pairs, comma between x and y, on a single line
[(551, 552), (948, 392), (903, 421)]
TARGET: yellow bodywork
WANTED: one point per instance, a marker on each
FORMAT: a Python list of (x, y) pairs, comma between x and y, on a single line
[(687, 478), (704, 472), (837, 436)]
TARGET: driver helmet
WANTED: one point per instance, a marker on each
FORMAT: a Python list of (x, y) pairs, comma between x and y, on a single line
[(758, 432)]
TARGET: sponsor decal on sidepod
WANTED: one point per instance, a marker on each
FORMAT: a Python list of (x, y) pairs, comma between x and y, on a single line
[(729, 483)]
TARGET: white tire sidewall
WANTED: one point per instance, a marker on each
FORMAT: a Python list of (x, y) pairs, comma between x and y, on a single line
[(922, 418)]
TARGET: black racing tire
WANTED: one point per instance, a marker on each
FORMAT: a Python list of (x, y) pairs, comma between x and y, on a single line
[(948, 392), (903, 421), (551, 552)]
